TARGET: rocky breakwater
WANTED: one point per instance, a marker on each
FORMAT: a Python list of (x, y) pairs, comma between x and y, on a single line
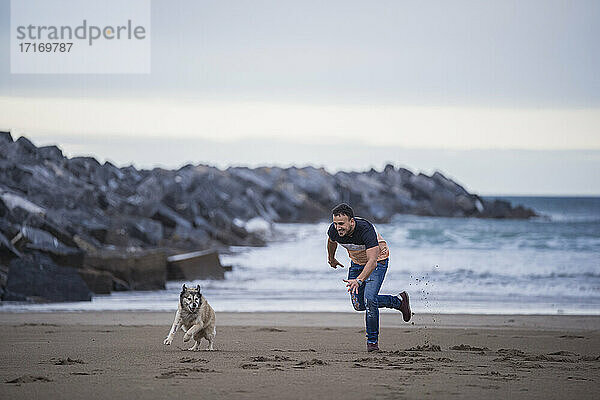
[(72, 226)]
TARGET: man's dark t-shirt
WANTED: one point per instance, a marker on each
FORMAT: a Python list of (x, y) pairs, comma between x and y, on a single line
[(362, 238)]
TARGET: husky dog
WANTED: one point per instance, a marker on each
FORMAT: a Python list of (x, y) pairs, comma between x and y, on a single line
[(195, 317)]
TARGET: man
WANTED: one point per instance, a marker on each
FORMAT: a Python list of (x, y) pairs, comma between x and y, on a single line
[(370, 256)]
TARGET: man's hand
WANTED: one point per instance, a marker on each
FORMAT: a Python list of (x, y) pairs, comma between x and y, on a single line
[(352, 285), (334, 263)]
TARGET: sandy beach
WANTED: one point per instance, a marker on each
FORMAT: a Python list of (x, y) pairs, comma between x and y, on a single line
[(299, 355)]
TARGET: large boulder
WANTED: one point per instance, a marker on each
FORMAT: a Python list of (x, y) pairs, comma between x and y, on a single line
[(33, 239), (195, 265), (99, 282), (139, 270), (7, 250), (3, 279), (5, 138), (51, 153), (148, 230), (38, 279), (14, 202)]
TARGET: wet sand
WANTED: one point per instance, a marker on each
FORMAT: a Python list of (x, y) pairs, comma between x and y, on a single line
[(299, 355)]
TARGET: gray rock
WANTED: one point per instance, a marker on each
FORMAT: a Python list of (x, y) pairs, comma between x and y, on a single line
[(196, 265), (170, 218), (99, 230), (8, 229), (45, 223), (31, 280), (99, 282), (51, 153), (139, 270), (6, 137), (147, 230), (444, 204), (447, 184), (33, 239), (25, 147), (421, 186), (467, 204), (193, 236), (13, 202), (3, 279), (7, 250)]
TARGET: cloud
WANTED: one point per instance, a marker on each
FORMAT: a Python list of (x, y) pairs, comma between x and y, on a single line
[(384, 125)]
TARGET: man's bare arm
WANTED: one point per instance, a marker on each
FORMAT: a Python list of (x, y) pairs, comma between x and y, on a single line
[(372, 255), (331, 248)]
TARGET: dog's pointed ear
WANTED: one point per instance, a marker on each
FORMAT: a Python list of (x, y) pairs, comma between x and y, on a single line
[(183, 288), (198, 288)]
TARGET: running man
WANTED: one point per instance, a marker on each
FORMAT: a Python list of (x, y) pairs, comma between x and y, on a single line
[(369, 257)]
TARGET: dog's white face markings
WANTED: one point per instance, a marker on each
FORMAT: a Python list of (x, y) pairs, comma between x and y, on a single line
[(191, 300)]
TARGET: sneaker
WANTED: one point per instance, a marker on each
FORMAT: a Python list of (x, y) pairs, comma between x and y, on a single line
[(372, 347), (405, 306)]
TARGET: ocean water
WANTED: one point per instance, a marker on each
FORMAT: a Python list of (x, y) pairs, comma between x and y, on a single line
[(547, 265)]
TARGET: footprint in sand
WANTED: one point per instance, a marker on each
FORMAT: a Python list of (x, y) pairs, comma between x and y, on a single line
[(359, 365), (426, 347), (30, 379), (511, 352), (269, 330), (419, 369), (498, 376), (92, 372), (571, 337), (66, 361), (563, 353), (296, 351), (466, 347), (185, 360), (275, 358), (310, 363), (557, 356), (589, 358), (398, 353), (183, 372)]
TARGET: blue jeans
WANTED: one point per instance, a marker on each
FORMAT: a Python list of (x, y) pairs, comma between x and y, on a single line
[(369, 299)]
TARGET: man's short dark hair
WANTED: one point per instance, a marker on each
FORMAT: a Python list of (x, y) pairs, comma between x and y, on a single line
[(343, 209)]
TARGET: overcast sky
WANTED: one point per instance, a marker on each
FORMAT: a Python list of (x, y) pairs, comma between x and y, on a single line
[(416, 80)]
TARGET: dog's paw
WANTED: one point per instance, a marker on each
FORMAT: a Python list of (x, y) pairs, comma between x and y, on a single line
[(194, 347), (168, 341), (186, 337)]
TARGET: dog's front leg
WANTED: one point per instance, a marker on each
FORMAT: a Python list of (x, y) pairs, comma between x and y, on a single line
[(195, 346), (174, 328), (192, 331), (211, 338)]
